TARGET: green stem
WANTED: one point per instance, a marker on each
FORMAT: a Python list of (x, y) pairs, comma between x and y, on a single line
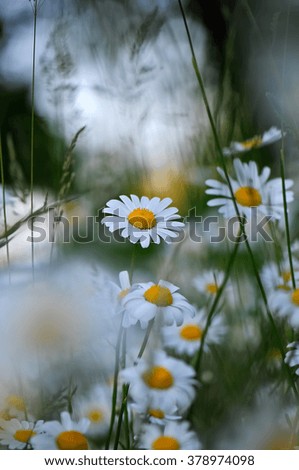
[(282, 162), (121, 413), (218, 295), (4, 210), (115, 387)]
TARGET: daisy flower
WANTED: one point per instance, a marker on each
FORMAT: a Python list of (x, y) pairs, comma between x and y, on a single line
[(274, 280), (208, 282), (175, 436), (292, 356), (18, 434), (64, 435), (286, 304), (143, 219), (269, 137), (164, 382), (119, 291), (146, 300), (159, 415), (186, 338), (96, 407), (251, 190)]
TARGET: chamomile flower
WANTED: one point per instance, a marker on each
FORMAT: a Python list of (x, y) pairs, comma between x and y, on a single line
[(274, 280), (285, 303), (175, 436), (269, 137), (64, 435), (159, 415), (18, 434), (96, 407), (292, 356), (208, 282), (142, 219), (119, 291), (186, 339), (146, 300), (164, 382), (251, 190)]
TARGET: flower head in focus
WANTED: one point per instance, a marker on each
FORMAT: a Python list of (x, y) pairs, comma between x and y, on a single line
[(142, 219), (146, 300), (251, 191)]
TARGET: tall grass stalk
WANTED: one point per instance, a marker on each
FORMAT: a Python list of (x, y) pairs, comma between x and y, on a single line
[(222, 159), (282, 160), (4, 211), (32, 137)]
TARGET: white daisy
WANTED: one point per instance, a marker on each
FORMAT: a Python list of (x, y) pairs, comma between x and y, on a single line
[(119, 291), (159, 415), (186, 339), (208, 282), (275, 280), (285, 303), (251, 190), (96, 407), (146, 300), (272, 135), (292, 356), (18, 434), (164, 382), (175, 436), (143, 219), (64, 435)]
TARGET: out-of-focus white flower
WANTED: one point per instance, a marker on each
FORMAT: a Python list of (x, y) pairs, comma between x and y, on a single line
[(142, 219), (251, 191), (18, 434), (96, 407), (175, 436), (285, 303), (186, 339), (292, 356), (66, 434), (164, 382), (208, 282), (147, 300), (269, 137)]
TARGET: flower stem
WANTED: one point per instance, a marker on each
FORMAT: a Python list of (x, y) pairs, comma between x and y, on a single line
[(115, 386), (4, 211)]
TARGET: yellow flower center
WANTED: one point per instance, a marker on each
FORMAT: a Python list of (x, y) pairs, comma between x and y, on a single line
[(158, 377), (166, 443), (295, 297), (16, 401), (23, 435), (159, 295), (274, 354), (286, 276), (248, 196), (143, 219), (191, 332), (211, 288), (156, 414), (283, 287), (252, 143), (95, 416), (71, 440), (123, 293)]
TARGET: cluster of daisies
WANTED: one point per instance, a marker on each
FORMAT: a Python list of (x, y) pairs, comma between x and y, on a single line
[(132, 350), (141, 336)]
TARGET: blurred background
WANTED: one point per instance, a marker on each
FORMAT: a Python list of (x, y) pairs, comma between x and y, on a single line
[(122, 71)]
